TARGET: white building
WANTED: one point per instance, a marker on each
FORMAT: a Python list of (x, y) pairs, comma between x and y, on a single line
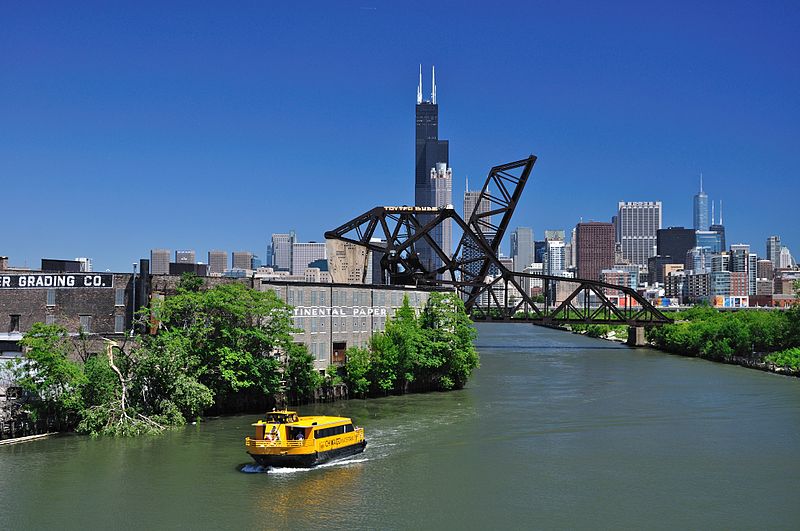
[(637, 226)]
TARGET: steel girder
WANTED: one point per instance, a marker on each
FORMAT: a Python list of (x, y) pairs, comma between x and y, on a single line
[(474, 269)]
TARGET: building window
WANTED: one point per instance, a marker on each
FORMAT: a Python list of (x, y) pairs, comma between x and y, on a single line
[(86, 322), (119, 297), (321, 352), (51, 297), (14, 325), (49, 319), (119, 324)]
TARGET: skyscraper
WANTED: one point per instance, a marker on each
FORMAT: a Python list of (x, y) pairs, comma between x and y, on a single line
[(719, 228), (282, 251), (429, 152), (594, 248), (159, 261), (242, 259), (470, 249), (637, 226), (774, 250), (701, 208), (522, 248), (305, 253), (675, 242), (442, 196), (217, 262)]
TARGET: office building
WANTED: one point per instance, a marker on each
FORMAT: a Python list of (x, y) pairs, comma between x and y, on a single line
[(429, 153), (185, 256), (701, 208), (159, 261), (554, 258), (539, 249), (774, 250), (255, 262), (471, 249), (786, 260), (719, 228), (282, 251), (268, 256), (657, 267), (637, 229), (765, 269), (675, 241), (242, 260), (522, 248), (699, 260), (441, 185), (217, 262), (709, 239), (305, 253), (594, 244)]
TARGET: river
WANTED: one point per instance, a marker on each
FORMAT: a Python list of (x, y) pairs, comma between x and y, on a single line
[(554, 431)]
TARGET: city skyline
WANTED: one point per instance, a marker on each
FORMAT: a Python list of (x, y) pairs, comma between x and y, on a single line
[(153, 130)]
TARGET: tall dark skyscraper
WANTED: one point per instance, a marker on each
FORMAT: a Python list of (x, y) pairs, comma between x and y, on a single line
[(429, 149), (719, 228), (430, 153)]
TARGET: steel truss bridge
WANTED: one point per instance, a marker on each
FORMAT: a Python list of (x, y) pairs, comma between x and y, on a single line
[(491, 292)]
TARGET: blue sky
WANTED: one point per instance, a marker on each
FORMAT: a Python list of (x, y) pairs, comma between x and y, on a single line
[(195, 125)]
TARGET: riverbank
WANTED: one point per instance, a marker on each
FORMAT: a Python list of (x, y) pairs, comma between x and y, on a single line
[(765, 342)]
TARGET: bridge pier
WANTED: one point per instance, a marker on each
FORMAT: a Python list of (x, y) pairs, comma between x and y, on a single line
[(636, 337)]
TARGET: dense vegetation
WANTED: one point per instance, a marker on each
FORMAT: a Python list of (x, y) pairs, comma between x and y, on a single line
[(708, 333), (432, 351), (213, 348), (226, 348)]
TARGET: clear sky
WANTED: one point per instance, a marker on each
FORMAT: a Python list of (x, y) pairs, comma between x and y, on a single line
[(200, 125)]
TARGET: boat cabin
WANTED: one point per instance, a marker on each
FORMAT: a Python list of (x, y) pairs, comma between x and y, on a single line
[(281, 417)]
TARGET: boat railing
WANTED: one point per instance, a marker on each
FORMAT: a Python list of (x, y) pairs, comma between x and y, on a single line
[(277, 443)]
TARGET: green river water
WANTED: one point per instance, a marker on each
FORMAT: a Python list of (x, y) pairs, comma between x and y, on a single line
[(554, 431)]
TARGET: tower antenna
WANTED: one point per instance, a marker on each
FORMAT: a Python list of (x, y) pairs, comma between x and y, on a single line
[(712, 212), (419, 87), (701, 182), (720, 211), (433, 80)]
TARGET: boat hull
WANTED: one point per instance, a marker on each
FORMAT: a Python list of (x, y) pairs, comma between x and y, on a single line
[(308, 460)]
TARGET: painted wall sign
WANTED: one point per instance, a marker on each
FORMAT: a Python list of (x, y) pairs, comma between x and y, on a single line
[(57, 280), (342, 311)]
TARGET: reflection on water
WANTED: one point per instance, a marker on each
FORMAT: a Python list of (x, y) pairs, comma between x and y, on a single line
[(555, 431)]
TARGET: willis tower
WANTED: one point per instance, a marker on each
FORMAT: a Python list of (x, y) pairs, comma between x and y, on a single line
[(432, 177)]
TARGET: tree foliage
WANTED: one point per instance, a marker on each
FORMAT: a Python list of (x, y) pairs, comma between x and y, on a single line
[(434, 351), (211, 346), (709, 333), (48, 373)]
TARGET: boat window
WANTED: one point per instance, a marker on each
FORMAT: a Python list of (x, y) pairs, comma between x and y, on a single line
[(348, 428), (330, 432)]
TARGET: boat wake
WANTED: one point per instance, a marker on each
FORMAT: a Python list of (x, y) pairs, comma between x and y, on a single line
[(337, 463)]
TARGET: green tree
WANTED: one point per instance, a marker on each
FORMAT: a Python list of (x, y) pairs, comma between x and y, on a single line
[(402, 350), (48, 373), (449, 335), (302, 380), (358, 368), (232, 335)]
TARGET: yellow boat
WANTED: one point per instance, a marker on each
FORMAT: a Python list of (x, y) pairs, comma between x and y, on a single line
[(286, 440)]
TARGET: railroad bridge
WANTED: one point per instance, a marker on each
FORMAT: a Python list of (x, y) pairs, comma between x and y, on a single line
[(491, 292)]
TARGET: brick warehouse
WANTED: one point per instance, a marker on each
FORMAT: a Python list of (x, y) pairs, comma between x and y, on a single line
[(332, 317)]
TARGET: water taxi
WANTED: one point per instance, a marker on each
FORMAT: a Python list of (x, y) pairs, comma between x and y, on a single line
[(283, 439)]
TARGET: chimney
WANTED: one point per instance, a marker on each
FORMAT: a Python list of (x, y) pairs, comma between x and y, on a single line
[(3, 263)]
